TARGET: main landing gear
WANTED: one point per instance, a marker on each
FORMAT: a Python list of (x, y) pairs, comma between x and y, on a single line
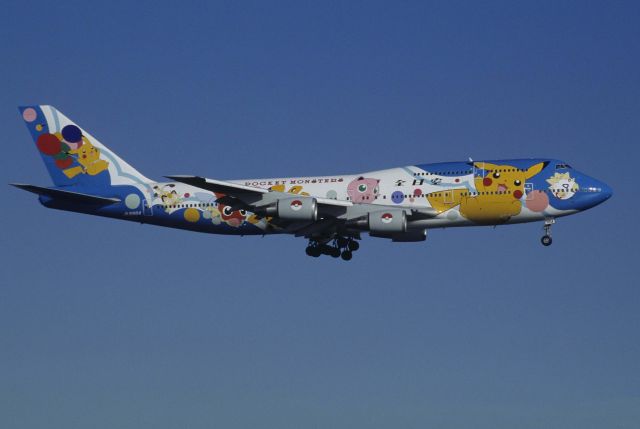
[(546, 238), (341, 247)]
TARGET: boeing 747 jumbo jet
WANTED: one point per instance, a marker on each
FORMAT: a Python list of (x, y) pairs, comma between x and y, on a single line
[(332, 212)]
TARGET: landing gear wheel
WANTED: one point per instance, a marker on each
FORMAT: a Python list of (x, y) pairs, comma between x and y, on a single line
[(313, 251), (339, 247), (324, 249), (546, 238), (346, 255)]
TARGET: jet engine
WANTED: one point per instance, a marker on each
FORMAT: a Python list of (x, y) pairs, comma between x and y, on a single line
[(382, 223), (299, 208)]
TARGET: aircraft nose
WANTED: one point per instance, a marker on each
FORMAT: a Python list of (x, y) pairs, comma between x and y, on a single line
[(603, 192), (607, 192)]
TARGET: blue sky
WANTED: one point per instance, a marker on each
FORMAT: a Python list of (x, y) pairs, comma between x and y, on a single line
[(112, 324)]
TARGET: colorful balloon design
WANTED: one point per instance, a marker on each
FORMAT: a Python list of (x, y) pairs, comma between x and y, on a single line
[(49, 144), (72, 134), (59, 145)]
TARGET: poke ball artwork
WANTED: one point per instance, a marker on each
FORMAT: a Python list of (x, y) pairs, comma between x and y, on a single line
[(386, 218), (296, 205)]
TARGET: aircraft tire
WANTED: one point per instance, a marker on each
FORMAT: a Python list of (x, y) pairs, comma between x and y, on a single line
[(312, 251)]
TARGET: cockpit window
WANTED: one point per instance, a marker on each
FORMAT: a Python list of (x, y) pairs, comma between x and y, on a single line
[(560, 166)]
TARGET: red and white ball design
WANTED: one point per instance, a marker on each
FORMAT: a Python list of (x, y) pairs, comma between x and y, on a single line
[(386, 218), (296, 205)]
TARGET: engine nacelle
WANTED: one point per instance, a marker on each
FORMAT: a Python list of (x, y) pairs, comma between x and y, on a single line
[(387, 222), (297, 208), (390, 223)]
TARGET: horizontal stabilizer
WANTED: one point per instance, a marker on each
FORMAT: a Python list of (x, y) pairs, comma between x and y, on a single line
[(67, 195)]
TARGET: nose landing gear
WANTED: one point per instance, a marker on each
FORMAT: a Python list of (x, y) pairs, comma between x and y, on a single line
[(546, 238)]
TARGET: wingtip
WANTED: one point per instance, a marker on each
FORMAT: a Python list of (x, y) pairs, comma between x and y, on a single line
[(181, 177)]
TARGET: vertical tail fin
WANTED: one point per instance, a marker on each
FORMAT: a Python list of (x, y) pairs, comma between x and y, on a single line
[(74, 157)]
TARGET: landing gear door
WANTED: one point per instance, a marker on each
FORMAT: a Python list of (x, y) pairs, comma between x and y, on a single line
[(528, 190), (448, 197)]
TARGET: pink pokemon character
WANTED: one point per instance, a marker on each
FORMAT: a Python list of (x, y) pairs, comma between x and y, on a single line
[(362, 190)]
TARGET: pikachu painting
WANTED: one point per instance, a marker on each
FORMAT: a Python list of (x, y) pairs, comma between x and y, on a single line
[(497, 196)]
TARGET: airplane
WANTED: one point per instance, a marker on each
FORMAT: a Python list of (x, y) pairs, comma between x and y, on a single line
[(332, 212)]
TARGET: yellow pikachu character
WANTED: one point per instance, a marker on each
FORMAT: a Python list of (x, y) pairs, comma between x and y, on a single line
[(88, 156), (293, 190), (497, 197)]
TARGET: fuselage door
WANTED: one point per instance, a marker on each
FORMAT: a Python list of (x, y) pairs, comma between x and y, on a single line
[(479, 170), (448, 197), (147, 208), (528, 190)]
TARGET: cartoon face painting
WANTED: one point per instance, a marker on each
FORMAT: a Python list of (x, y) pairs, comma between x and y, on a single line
[(562, 186), (363, 189), (233, 218), (498, 195), (88, 156), (230, 217), (167, 195), (504, 179), (500, 188)]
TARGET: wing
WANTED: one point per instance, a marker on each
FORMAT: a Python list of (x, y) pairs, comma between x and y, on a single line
[(247, 194), (262, 202), (219, 186)]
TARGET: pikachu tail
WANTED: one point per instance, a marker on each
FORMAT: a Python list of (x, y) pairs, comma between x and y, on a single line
[(74, 157)]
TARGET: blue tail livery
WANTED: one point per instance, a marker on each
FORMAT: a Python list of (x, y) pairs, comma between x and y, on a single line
[(333, 212)]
